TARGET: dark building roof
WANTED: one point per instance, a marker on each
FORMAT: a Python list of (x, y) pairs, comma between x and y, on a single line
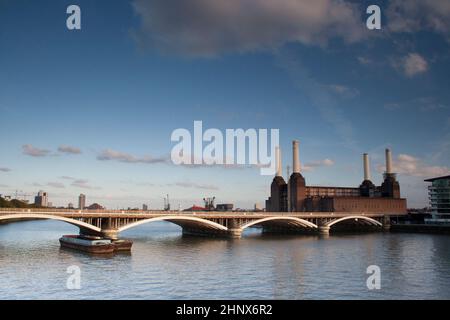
[(437, 178)]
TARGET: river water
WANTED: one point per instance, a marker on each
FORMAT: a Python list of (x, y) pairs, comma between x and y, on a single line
[(165, 265)]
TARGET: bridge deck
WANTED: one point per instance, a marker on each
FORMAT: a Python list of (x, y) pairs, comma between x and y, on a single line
[(70, 213)]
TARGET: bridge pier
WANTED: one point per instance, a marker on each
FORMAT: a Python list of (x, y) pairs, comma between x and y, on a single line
[(89, 232), (112, 234), (386, 223), (323, 229), (234, 233)]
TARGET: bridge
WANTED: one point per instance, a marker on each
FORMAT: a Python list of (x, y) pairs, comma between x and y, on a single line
[(109, 223)]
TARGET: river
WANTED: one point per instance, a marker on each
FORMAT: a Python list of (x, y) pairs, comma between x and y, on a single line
[(165, 265)]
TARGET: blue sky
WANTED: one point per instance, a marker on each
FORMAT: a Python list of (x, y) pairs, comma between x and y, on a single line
[(137, 70)]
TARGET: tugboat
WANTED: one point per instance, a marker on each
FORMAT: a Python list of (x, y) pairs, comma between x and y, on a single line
[(93, 244)]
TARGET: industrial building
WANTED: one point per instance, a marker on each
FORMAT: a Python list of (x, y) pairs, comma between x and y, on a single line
[(224, 207), (296, 196), (439, 195)]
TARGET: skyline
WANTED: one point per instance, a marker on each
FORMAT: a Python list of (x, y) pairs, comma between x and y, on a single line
[(92, 111)]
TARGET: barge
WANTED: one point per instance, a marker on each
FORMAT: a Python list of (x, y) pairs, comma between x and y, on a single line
[(96, 245)]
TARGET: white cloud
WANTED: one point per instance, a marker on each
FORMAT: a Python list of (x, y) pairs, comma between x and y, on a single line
[(364, 60), (344, 91), (414, 64), (58, 185), (30, 150), (109, 154), (196, 185), (423, 104), (415, 15), (67, 178), (310, 166), (209, 28), (84, 184), (411, 166), (69, 149), (411, 65), (3, 169)]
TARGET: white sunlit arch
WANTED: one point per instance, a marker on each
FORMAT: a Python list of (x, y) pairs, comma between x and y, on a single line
[(178, 220), (300, 222), (356, 218), (74, 222)]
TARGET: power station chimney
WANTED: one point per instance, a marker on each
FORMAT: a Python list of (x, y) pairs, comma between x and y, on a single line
[(366, 167), (295, 157), (278, 162), (388, 161)]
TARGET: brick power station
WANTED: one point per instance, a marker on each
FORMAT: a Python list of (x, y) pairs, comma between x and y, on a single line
[(296, 196)]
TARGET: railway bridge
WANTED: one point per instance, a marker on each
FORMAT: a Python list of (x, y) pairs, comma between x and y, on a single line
[(109, 223)]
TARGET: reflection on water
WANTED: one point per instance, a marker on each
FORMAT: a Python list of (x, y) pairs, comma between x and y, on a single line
[(165, 265)]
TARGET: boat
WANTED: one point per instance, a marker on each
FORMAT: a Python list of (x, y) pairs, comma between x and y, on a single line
[(94, 244), (80, 243), (122, 245)]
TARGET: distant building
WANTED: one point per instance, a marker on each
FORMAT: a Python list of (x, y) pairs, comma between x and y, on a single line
[(225, 207), (144, 207), (258, 207), (439, 195), (70, 205), (95, 206), (81, 201), (41, 199)]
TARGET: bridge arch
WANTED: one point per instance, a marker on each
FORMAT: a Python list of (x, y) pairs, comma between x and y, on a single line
[(181, 221), (74, 222), (368, 220), (291, 221)]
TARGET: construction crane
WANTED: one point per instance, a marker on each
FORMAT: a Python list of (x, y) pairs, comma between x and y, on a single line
[(20, 195), (209, 203)]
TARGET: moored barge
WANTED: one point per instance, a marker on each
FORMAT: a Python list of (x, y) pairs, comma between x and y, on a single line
[(96, 245)]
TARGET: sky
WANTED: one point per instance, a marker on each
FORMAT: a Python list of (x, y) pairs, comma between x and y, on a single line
[(92, 111)]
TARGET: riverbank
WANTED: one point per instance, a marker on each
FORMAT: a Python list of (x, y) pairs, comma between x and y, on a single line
[(421, 228)]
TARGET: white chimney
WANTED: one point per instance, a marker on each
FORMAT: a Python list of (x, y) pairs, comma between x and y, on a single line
[(278, 162), (366, 166), (388, 161), (295, 157)]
